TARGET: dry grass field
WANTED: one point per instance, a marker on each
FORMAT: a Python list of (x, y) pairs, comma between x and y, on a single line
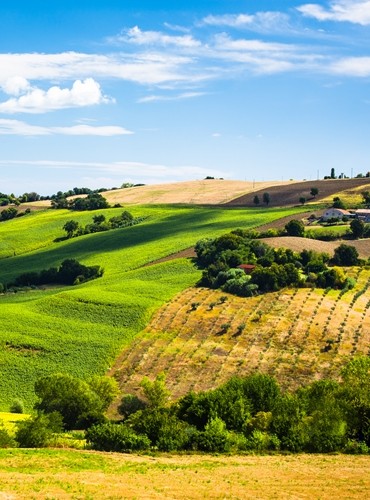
[(203, 192), (62, 474), (203, 337)]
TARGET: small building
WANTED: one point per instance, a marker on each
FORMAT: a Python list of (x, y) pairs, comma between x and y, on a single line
[(335, 213), (363, 214), (247, 268)]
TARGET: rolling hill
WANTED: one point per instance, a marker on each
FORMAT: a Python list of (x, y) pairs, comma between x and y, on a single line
[(96, 327)]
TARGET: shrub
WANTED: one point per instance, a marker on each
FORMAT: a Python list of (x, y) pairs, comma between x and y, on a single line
[(6, 440), (215, 437), (295, 228), (130, 404), (115, 437), (74, 399), (17, 406), (36, 432), (345, 255)]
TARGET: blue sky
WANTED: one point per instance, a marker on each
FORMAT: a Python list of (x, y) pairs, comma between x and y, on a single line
[(98, 93)]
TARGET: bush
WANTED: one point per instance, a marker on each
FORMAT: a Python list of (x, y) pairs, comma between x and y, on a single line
[(36, 432), (74, 399), (6, 440), (17, 406), (115, 437), (215, 437), (130, 404), (345, 255), (295, 228)]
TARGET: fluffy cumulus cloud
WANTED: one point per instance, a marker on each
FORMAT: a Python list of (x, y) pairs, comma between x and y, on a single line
[(17, 127), (35, 100), (353, 11)]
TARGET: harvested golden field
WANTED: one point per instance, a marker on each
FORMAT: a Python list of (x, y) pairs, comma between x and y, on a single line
[(64, 474), (203, 192), (203, 337)]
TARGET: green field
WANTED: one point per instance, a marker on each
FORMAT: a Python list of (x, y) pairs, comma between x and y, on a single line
[(81, 329)]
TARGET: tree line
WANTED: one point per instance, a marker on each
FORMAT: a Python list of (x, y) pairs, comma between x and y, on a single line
[(100, 223), (245, 414), (70, 272)]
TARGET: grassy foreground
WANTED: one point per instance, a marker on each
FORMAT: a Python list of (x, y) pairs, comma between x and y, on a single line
[(62, 474)]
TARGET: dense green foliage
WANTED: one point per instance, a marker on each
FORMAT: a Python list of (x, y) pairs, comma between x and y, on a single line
[(93, 201), (70, 272), (252, 413), (79, 403), (271, 269)]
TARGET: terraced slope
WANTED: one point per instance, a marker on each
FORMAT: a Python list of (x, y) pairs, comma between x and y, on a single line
[(200, 339)]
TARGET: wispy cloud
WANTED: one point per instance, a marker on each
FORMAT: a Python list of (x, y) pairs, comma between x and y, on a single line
[(264, 22), (35, 100), (178, 97), (138, 37), (17, 127), (136, 171), (353, 11), (352, 66), (149, 67)]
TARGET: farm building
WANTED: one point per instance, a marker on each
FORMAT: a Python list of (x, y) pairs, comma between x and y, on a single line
[(247, 268), (335, 213), (363, 214)]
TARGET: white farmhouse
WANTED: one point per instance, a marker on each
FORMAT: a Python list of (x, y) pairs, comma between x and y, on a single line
[(335, 213)]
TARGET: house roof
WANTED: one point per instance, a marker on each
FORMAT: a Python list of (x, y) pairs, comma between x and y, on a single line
[(364, 211)]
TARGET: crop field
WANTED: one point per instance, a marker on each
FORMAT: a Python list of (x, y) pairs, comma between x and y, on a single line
[(65, 474), (81, 329), (203, 337)]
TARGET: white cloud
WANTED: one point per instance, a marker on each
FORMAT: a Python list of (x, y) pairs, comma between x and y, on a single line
[(15, 85), (17, 127), (179, 97), (261, 21), (150, 173), (353, 11), (224, 42), (352, 66), (138, 37), (82, 93), (232, 20), (143, 68)]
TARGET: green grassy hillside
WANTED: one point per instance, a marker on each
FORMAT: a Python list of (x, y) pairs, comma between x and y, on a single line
[(81, 329)]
